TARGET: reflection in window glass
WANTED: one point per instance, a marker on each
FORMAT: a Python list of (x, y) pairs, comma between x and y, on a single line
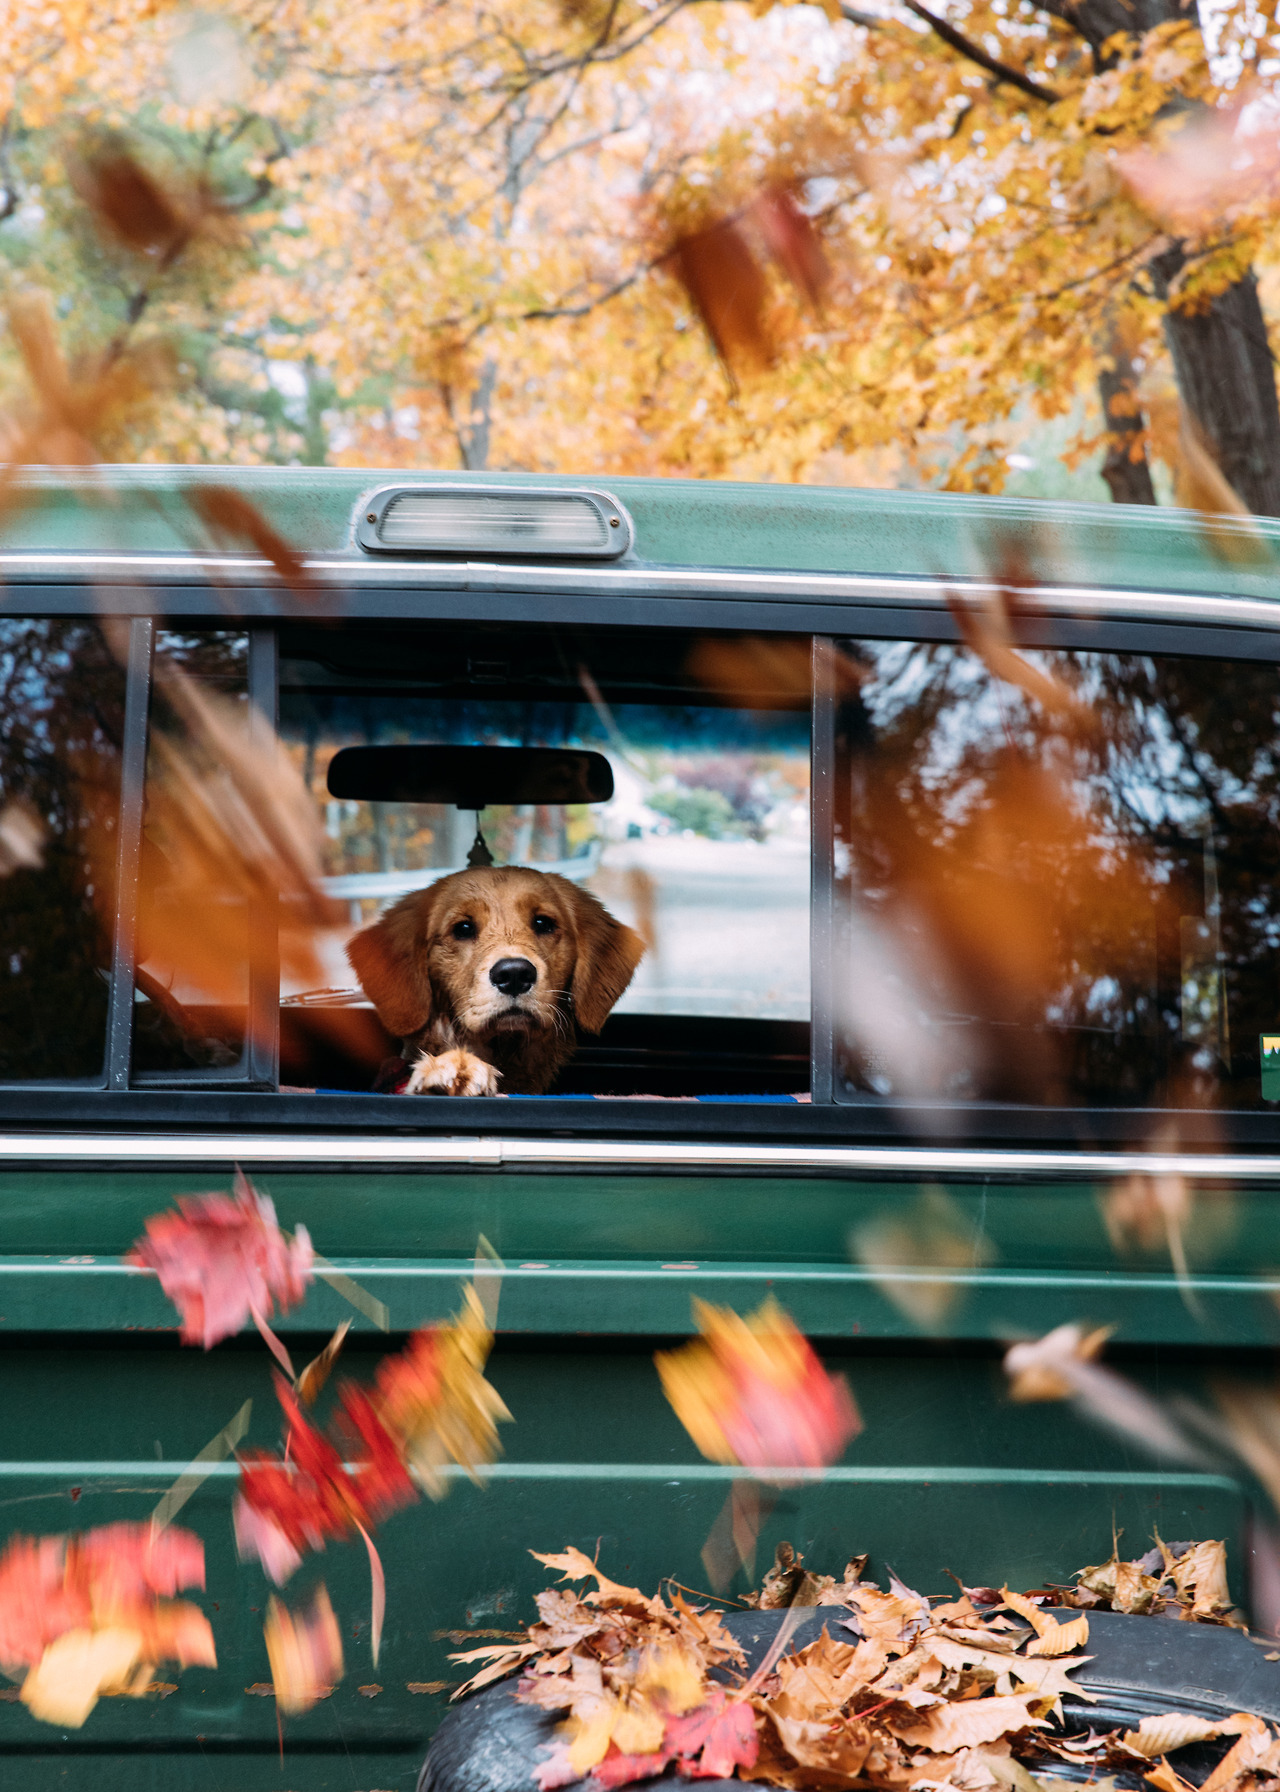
[(1064, 895), (177, 1026), (704, 847), (61, 723)]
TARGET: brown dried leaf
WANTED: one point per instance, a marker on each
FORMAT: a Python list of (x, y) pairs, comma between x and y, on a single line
[(318, 1370), (725, 284), (1042, 1369), (125, 199), (1061, 1639), (1171, 1729), (305, 1652), (1228, 527), (1164, 1779), (233, 519), (969, 1722)]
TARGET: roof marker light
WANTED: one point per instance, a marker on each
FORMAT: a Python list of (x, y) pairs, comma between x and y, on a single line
[(470, 521)]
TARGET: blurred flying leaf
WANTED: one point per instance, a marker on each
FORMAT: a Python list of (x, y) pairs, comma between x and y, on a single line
[(731, 1541), (1061, 1366), (318, 1370), (772, 673), (1251, 1416), (434, 1398), (986, 627), (933, 1235), (75, 408), (1150, 1211), (223, 1258), (125, 200), (793, 242), (753, 1391), (234, 521), (305, 1652), (1229, 529), (728, 289), (94, 1612), (22, 838), (1203, 167), (207, 61), (233, 832)]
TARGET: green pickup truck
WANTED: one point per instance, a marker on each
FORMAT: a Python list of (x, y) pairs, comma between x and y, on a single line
[(952, 830)]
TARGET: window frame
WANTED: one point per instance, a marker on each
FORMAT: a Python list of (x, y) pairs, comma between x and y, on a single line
[(880, 608)]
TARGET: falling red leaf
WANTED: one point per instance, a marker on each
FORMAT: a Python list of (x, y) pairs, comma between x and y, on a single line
[(752, 1391), (793, 242), (90, 1613), (290, 1504), (726, 284), (434, 1399), (714, 1739), (222, 1258)]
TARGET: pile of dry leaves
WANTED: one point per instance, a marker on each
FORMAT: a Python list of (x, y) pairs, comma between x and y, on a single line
[(896, 1692)]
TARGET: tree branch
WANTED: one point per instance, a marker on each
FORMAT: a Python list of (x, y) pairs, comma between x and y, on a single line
[(963, 46)]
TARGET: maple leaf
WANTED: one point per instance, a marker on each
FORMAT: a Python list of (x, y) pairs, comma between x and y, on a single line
[(752, 1391), (82, 1614), (968, 1722), (221, 1258), (36, 1603), (305, 1652), (288, 1505), (434, 1399)]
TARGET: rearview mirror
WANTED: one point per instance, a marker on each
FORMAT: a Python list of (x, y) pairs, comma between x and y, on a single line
[(470, 777)]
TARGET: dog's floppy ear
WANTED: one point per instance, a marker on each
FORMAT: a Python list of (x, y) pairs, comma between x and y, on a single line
[(390, 959), (608, 954)]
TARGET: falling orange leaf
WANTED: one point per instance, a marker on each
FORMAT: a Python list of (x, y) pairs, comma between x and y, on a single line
[(752, 1391), (305, 1652), (728, 288)]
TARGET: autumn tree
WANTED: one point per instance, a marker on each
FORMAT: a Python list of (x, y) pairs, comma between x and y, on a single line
[(471, 224)]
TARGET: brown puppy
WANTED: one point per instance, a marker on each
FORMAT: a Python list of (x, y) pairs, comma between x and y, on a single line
[(484, 974)]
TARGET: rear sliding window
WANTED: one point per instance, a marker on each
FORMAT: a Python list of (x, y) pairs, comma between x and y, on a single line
[(703, 848), (1067, 894)]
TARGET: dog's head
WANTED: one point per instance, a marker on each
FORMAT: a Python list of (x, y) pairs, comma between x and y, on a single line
[(496, 951)]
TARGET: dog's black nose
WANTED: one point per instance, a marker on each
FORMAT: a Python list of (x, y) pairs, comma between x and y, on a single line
[(513, 976)]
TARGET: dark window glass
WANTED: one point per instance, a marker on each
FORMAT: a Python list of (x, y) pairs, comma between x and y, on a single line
[(180, 1025), (61, 722), (703, 848), (1058, 893)]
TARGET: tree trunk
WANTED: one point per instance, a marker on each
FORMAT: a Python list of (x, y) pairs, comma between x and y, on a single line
[(1227, 381), (1221, 357), (1126, 470)]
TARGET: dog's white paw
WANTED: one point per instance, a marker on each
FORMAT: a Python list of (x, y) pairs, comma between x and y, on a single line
[(452, 1073)]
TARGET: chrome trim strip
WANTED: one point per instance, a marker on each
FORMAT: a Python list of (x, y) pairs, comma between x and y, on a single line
[(880, 588), (157, 1476), (597, 1154)]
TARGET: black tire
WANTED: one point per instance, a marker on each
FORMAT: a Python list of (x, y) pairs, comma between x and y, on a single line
[(1137, 1667)]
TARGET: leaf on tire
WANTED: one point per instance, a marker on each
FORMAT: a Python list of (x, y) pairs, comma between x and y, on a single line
[(1171, 1729)]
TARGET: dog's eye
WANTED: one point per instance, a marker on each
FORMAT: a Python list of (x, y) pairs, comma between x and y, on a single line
[(463, 930), (544, 924)]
